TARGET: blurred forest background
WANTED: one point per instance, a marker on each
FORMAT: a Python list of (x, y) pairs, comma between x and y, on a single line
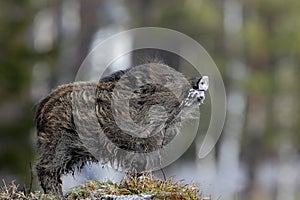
[(255, 44)]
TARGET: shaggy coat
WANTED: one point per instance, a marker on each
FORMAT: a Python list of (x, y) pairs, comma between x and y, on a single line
[(80, 113)]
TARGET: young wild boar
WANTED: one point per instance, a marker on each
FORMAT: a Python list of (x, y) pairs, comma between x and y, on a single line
[(78, 115)]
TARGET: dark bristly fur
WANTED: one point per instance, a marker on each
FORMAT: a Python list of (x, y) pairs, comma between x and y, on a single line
[(61, 150)]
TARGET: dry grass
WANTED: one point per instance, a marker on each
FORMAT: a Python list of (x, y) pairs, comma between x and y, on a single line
[(132, 185), (146, 184), (11, 191)]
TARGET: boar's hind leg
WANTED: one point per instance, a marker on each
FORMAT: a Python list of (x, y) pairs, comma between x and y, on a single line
[(55, 160), (48, 173)]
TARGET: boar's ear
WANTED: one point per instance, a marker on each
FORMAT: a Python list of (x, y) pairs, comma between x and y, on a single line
[(203, 83)]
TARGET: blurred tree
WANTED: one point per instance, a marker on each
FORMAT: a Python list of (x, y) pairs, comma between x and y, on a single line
[(16, 110), (75, 36), (269, 38)]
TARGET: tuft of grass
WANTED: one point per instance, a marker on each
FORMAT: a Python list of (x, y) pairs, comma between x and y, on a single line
[(144, 185), (138, 185)]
